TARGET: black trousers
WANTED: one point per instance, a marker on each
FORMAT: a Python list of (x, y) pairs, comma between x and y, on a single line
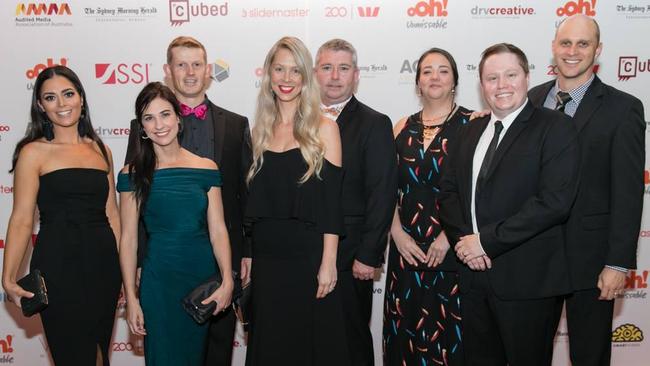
[(221, 335), (357, 308), (589, 323), (500, 332)]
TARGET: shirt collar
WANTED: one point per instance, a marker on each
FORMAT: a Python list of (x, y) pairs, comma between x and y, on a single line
[(507, 120), (338, 106), (576, 94)]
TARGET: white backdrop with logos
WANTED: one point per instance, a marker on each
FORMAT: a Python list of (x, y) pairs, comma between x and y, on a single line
[(117, 46)]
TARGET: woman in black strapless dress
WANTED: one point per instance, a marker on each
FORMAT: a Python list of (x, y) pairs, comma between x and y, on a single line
[(63, 167)]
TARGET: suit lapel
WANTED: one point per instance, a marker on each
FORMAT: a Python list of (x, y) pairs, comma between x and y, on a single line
[(219, 122), (347, 113), (538, 95), (469, 142), (518, 125), (589, 104)]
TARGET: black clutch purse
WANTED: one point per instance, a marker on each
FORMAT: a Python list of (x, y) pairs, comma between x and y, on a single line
[(192, 301), (34, 283)]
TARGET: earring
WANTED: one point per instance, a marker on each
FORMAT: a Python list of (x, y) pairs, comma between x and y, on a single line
[(143, 135), (48, 130), (180, 127), (453, 91)]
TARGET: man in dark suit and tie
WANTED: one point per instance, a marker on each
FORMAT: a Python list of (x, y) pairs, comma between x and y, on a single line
[(369, 188), (507, 189), (603, 226), (223, 136)]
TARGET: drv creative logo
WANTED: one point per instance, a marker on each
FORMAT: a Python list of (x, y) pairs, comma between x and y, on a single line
[(42, 9), (122, 73), (586, 7), (33, 73), (180, 11), (429, 8)]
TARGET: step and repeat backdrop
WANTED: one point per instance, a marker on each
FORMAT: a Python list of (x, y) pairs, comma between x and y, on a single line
[(117, 46)]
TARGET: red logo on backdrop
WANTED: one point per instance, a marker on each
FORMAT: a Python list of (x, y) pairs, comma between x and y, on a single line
[(122, 73), (2, 244), (586, 7), (180, 11), (552, 69), (33, 73), (5, 345), (629, 67), (368, 11), (431, 8), (43, 9), (636, 279)]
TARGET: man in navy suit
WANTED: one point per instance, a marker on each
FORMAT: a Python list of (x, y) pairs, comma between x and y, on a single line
[(603, 226), (507, 189)]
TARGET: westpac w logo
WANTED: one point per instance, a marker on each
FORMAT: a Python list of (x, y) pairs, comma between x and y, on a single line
[(43, 9)]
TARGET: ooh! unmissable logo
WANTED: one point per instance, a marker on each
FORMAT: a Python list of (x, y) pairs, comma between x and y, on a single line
[(33, 73), (429, 8), (586, 7)]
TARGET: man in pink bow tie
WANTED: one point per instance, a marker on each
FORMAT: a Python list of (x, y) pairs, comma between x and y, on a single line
[(223, 136)]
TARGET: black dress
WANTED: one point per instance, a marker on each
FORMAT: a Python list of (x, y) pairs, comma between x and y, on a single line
[(289, 326), (422, 324), (77, 254)]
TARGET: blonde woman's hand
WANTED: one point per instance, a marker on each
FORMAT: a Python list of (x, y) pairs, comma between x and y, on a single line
[(15, 293), (327, 277)]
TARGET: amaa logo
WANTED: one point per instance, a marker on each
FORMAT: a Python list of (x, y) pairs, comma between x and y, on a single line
[(43, 9)]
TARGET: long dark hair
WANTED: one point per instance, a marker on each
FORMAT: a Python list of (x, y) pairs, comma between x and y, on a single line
[(143, 164), (40, 126)]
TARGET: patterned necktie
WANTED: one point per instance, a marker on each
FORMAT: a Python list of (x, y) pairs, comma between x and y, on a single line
[(199, 111), (562, 99), (489, 154)]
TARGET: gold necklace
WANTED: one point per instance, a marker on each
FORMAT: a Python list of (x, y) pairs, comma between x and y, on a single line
[(430, 131)]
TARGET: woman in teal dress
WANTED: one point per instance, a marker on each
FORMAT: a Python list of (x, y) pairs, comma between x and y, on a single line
[(179, 197)]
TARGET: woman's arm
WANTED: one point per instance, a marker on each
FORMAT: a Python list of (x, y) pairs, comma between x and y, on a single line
[(112, 211), (21, 221), (221, 249), (128, 249), (327, 274)]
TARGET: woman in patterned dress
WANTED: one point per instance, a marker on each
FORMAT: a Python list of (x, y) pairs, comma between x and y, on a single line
[(422, 324)]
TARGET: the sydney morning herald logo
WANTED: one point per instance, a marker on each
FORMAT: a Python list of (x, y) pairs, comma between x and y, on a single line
[(183, 11)]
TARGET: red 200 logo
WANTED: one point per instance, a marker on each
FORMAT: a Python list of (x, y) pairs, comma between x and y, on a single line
[(336, 11), (122, 346)]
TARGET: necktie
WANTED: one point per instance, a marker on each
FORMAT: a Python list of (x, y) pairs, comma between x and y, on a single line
[(562, 99), (199, 111), (489, 154)]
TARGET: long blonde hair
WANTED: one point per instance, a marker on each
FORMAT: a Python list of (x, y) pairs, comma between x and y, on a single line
[(306, 121)]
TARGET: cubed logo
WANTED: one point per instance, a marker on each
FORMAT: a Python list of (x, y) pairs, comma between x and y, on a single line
[(431, 8), (586, 7), (181, 11), (627, 333), (630, 67), (37, 9), (368, 11), (112, 74), (33, 72)]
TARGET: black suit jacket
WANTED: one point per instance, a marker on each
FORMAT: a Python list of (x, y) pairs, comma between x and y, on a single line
[(603, 228), (232, 153), (369, 183), (525, 197)]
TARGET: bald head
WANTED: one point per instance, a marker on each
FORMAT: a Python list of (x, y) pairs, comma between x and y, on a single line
[(575, 49), (581, 21)]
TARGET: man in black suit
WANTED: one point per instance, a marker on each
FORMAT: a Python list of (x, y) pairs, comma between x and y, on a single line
[(369, 188), (212, 132), (603, 227), (506, 191)]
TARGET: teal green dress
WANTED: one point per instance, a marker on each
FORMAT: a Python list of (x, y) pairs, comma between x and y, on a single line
[(179, 257)]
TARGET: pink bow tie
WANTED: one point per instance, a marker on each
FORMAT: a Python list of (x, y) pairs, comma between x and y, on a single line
[(199, 111)]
